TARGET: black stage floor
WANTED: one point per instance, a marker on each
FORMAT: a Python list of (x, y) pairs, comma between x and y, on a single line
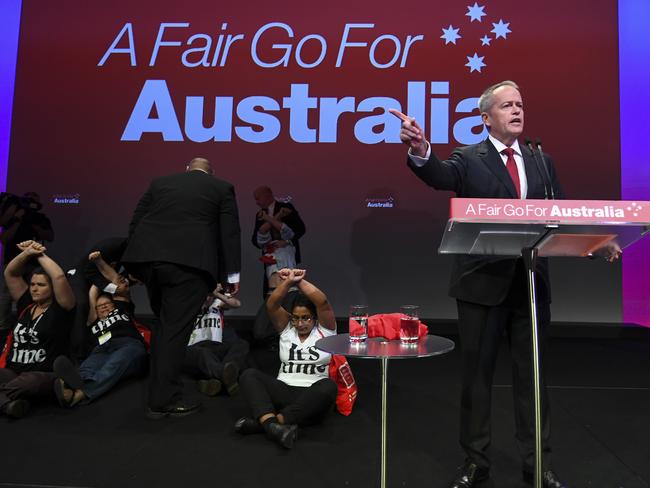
[(600, 395)]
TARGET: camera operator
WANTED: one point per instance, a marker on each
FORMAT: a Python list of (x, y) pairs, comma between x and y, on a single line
[(21, 220)]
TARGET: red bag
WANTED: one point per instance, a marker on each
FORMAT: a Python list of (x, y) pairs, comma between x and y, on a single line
[(144, 332), (341, 373), (5, 350)]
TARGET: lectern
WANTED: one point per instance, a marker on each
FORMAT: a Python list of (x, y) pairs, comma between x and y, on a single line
[(532, 228)]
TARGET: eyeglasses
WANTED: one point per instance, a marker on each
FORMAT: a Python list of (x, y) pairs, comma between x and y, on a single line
[(296, 320)]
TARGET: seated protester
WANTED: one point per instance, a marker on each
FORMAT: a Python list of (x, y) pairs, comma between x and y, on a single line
[(215, 353), (119, 351), (303, 393), (82, 277), (45, 314)]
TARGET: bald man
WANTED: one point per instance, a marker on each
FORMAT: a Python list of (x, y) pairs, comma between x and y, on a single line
[(184, 238)]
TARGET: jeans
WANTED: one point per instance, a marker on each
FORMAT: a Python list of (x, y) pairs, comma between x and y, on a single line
[(107, 364)]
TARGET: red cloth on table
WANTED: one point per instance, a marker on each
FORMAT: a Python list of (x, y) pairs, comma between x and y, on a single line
[(386, 325)]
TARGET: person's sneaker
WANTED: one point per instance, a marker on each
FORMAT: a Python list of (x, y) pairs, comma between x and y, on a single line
[(60, 391), (210, 387), (16, 409), (68, 372), (231, 378)]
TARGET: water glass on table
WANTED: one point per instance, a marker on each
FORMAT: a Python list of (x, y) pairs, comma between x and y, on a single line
[(409, 326), (358, 323)]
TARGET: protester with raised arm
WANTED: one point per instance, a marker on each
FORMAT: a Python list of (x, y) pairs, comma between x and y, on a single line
[(45, 314), (302, 393)]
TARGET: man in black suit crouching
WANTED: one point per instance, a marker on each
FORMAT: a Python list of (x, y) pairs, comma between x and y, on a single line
[(184, 238), (491, 292)]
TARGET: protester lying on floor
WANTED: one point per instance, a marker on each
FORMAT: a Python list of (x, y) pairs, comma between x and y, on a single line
[(302, 393), (119, 351), (45, 314), (215, 354)]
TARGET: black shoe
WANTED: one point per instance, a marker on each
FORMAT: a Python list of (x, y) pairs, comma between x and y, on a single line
[(16, 409), (470, 475), (285, 435), (210, 387), (230, 376), (247, 425), (549, 479), (68, 372), (175, 410)]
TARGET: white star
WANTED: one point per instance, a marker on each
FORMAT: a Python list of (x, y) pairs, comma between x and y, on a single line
[(501, 29), (450, 35), (475, 63), (475, 12), (485, 40)]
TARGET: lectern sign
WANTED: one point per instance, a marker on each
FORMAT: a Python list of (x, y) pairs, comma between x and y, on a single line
[(550, 211), (503, 227)]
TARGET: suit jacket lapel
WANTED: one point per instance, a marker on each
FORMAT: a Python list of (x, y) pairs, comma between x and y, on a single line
[(492, 159)]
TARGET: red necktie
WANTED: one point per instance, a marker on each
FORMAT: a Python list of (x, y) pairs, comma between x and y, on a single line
[(511, 166)]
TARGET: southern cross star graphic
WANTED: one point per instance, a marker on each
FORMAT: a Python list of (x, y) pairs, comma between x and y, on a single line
[(475, 63), (500, 29), (475, 12), (450, 35), (485, 40)]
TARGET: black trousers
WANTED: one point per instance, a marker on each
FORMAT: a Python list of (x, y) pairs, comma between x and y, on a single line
[(30, 385), (206, 359), (176, 294), (481, 329), (298, 405)]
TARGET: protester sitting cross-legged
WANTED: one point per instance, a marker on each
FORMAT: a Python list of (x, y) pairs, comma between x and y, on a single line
[(302, 393), (215, 354), (45, 314), (119, 352)]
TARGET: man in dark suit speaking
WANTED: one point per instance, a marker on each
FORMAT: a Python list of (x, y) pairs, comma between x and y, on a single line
[(491, 292), (184, 238)]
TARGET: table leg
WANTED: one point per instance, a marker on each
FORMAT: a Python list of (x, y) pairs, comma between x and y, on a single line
[(384, 408)]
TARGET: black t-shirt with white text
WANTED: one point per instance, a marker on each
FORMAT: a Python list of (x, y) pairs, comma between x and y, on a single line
[(38, 341), (119, 323)]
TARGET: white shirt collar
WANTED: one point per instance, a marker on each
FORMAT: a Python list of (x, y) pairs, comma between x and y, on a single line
[(500, 146)]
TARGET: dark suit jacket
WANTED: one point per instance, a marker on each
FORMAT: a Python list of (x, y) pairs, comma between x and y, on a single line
[(477, 171), (190, 219), (293, 221)]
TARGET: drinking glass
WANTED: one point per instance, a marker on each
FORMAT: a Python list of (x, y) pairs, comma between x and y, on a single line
[(409, 324), (358, 323)]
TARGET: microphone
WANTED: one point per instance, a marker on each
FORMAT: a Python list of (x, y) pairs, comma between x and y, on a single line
[(537, 164), (538, 143)]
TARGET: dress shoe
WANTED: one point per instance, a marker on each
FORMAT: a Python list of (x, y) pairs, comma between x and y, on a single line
[(230, 378), (285, 435), (549, 479), (247, 425), (470, 475), (210, 387), (175, 410), (16, 409)]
